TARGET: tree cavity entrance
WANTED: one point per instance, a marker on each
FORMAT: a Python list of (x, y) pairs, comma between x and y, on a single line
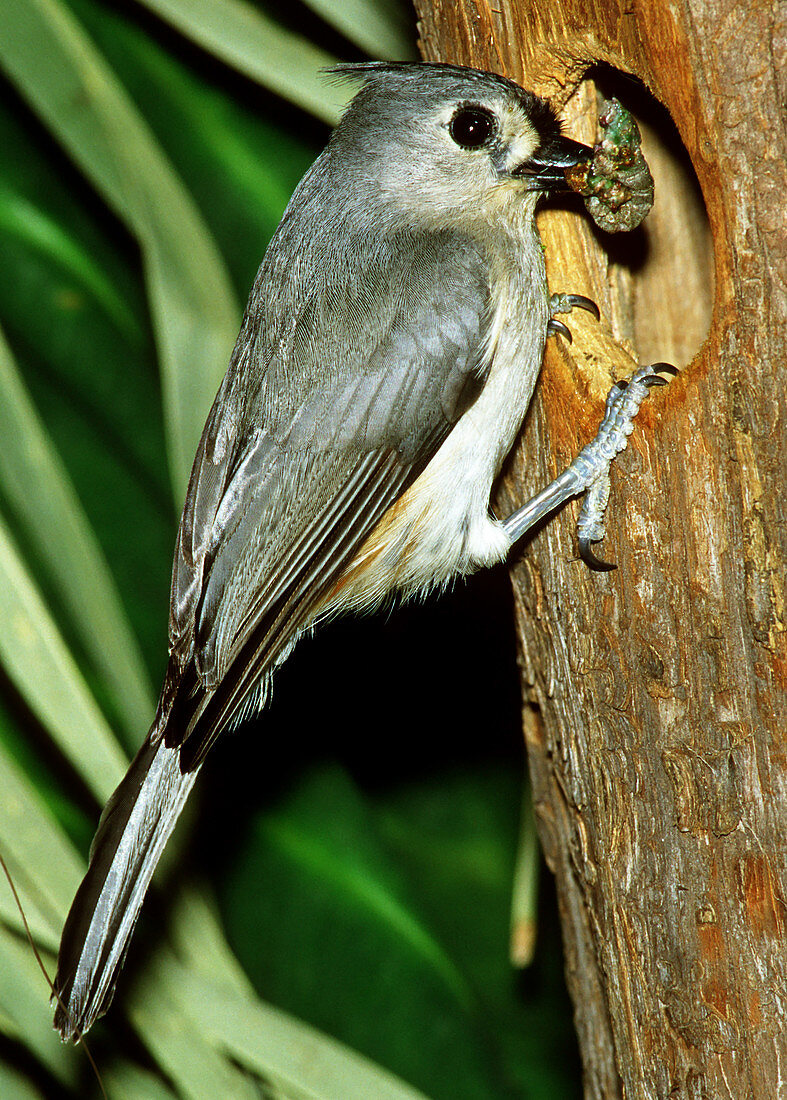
[(660, 275)]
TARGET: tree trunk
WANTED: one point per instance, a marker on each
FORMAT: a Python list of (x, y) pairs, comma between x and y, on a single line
[(656, 719)]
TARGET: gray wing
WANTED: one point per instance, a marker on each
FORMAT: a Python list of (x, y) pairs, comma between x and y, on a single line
[(333, 404)]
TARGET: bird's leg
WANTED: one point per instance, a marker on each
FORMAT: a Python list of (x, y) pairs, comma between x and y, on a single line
[(564, 303), (590, 469)]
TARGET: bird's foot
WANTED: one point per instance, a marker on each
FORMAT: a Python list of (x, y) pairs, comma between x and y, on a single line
[(589, 472), (565, 303)]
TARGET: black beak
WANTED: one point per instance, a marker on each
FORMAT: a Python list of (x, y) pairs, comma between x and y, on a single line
[(546, 169)]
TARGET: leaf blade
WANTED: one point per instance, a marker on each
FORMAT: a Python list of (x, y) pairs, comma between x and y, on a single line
[(24, 1006), (56, 68), (378, 27), (43, 863), (38, 488), (297, 1056), (255, 45), (40, 665)]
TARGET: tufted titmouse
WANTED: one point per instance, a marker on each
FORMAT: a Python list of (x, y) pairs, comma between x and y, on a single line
[(384, 365)]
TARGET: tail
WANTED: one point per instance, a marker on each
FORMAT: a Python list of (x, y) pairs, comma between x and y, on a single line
[(131, 836)]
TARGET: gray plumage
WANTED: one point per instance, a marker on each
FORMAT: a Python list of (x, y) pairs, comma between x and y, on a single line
[(383, 368)]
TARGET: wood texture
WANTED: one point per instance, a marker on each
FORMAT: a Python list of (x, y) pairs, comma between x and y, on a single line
[(656, 709)]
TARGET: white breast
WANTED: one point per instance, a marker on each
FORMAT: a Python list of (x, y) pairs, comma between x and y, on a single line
[(441, 526)]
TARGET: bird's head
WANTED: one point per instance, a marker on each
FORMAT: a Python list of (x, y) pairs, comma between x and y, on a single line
[(447, 145)]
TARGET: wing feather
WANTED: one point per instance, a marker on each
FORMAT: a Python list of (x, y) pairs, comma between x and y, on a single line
[(319, 427), (275, 621)]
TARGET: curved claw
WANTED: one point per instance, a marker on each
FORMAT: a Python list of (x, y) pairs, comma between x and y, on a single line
[(557, 327), (579, 301), (590, 559), (650, 379), (656, 379)]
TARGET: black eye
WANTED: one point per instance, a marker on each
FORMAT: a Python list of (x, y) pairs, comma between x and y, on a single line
[(471, 127)]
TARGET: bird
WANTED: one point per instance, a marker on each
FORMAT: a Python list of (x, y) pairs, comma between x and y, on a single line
[(384, 365)]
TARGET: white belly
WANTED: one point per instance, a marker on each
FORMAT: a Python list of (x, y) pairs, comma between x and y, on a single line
[(442, 526)]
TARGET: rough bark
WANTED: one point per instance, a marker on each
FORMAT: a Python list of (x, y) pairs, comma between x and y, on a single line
[(657, 712)]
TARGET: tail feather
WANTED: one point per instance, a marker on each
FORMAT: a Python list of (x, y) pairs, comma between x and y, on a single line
[(131, 836)]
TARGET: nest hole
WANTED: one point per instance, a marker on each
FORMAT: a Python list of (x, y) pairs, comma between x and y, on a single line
[(661, 274)]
